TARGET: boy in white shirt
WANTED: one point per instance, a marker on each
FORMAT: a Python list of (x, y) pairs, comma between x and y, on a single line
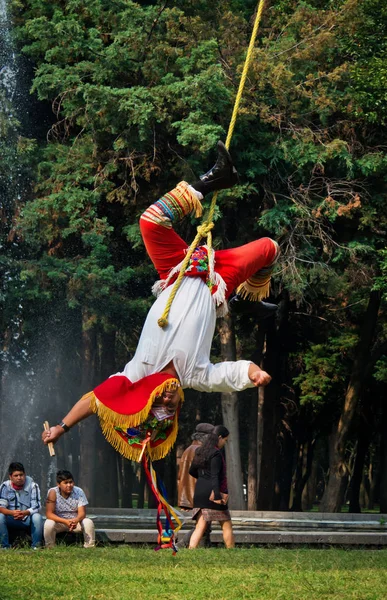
[(66, 511)]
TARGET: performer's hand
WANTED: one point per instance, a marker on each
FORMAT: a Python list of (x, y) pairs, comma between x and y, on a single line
[(53, 434), (257, 376)]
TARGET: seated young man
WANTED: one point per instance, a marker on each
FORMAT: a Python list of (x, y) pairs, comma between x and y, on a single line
[(66, 511), (143, 402), (20, 506)]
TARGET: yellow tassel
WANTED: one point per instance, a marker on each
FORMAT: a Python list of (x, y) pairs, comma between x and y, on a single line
[(198, 207), (119, 420), (110, 416), (131, 452), (109, 420), (194, 204), (253, 294)]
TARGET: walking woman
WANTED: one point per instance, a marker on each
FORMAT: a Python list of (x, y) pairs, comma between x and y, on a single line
[(209, 468)]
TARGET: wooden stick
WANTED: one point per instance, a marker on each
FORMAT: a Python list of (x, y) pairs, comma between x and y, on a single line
[(50, 444)]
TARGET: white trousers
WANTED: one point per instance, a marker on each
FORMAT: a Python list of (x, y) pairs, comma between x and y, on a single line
[(51, 528)]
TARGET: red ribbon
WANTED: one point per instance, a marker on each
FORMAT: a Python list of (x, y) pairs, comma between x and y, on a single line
[(170, 543)]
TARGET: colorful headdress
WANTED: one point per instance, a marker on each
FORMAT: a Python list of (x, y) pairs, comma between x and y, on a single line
[(125, 413)]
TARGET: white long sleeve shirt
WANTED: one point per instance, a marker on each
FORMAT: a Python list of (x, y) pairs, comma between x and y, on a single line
[(186, 341)]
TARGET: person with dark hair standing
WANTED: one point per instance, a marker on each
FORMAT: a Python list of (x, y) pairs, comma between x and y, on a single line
[(20, 506), (66, 511), (185, 482), (209, 468)]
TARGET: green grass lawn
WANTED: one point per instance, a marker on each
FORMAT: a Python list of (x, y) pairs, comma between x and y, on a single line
[(124, 572)]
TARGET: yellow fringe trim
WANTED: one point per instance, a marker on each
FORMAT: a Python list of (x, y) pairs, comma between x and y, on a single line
[(110, 416), (194, 202), (109, 420), (250, 293), (131, 452)]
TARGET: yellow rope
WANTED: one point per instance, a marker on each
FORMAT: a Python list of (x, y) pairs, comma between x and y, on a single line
[(206, 227), (202, 230)]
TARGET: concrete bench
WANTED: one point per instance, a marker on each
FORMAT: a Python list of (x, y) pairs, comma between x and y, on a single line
[(138, 526)]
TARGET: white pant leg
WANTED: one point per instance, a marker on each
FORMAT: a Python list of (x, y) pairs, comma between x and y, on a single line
[(51, 528), (87, 527)]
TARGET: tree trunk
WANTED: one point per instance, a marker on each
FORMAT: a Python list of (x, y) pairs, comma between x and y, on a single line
[(255, 428), (269, 450), (106, 487), (338, 478), (383, 460), (106, 484), (357, 475), (338, 471), (89, 428), (141, 490), (269, 419), (284, 472), (303, 471), (309, 492), (261, 399), (373, 477), (127, 480), (231, 420), (252, 467)]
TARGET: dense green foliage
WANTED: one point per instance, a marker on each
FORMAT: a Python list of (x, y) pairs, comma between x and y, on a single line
[(140, 94)]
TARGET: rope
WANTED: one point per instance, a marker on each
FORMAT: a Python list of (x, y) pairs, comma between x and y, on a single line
[(206, 227), (202, 231)]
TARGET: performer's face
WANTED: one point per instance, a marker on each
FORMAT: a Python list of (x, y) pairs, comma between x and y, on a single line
[(170, 401)]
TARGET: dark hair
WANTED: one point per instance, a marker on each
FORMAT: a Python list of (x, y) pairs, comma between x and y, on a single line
[(62, 475), (206, 450), (15, 466)]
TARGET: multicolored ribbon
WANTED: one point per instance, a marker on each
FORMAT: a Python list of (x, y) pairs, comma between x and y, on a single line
[(166, 538)]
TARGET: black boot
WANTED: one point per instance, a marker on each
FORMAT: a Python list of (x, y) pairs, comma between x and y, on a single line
[(260, 310), (223, 174)]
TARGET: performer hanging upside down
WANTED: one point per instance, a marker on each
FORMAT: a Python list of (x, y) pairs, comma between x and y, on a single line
[(141, 404)]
